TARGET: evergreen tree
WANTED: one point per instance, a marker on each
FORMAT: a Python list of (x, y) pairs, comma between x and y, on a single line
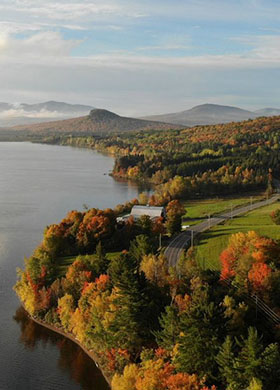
[(139, 306), (226, 362), (140, 247), (199, 340), (101, 262), (249, 362), (169, 322), (270, 367)]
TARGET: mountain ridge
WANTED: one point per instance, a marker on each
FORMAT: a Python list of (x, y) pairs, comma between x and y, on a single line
[(99, 121), (208, 114)]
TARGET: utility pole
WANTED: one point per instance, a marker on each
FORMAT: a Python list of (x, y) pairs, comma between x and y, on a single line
[(191, 238)]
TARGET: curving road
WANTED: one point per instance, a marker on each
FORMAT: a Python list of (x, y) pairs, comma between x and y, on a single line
[(183, 240)]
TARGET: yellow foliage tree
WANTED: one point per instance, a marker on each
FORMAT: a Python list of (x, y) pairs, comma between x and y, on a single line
[(155, 269), (66, 310), (127, 380)]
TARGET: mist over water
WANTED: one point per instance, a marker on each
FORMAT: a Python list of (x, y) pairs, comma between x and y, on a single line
[(39, 184)]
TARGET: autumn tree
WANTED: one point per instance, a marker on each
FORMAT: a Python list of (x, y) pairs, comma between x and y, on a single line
[(174, 212), (251, 262), (275, 216), (155, 269), (66, 308), (156, 374)]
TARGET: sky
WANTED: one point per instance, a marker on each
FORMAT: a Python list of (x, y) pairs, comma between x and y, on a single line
[(141, 57)]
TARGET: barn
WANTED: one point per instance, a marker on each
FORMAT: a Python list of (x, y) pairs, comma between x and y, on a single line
[(138, 211)]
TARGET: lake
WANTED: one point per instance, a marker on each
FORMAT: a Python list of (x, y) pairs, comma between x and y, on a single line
[(39, 184)]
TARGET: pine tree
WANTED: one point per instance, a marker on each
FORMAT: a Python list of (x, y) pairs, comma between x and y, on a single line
[(225, 360), (140, 247), (101, 262), (138, 304), (249, 362), (198, 342), (270, 367), (169, 322)]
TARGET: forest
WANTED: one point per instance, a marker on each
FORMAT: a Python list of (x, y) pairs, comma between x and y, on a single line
[(197, 162), (155, 327)]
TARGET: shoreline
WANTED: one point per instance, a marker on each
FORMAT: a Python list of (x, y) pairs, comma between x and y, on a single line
[(71, 337)]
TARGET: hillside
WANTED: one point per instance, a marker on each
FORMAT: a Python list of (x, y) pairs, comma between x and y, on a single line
[(268, 111), (97, 122), (212, 160), (206, 114)]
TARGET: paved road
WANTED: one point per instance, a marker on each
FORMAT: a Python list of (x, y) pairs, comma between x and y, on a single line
[(183, 240)]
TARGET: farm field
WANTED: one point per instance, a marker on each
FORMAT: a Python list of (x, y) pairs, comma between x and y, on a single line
[(198, 210), (210, 244)]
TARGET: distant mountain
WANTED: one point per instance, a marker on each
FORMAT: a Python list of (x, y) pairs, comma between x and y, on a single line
[(268, 112), (205, 114), (19, 114), (98, 121)]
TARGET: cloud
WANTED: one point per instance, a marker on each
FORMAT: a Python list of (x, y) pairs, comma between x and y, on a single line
[(215, 10), (24, 15), (132, 85), (71, 11), (19, 113), (138, 56), (263, 47), (39, 45), (264, 53)]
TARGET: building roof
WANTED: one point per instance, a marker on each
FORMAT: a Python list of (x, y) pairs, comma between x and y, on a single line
[(152, 212)]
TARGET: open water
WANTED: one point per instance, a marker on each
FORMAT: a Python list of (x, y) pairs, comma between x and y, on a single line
[(39, 184)]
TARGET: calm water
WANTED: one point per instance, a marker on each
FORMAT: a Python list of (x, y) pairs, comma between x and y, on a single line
[(39, 184)]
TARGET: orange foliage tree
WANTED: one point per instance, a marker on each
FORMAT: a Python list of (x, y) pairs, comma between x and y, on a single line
[(250, 261), (156, 375)]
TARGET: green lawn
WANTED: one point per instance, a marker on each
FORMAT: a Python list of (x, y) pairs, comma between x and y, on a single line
[(62, 263), (210, 244), (197, 210)]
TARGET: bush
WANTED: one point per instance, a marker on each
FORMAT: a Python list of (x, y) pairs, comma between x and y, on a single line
[(275, 216)]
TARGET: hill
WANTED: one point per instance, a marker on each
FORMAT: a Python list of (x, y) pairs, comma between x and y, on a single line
[(99, 121), (20, 114), (206, 114), (268, 111)]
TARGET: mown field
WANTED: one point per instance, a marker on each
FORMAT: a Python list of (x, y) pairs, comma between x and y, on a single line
[(210, 244), (62, 263), (197, 210)]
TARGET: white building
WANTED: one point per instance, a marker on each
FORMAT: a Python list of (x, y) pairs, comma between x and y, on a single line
[(138, 211)]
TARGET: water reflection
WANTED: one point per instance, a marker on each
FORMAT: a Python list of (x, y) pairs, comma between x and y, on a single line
[(137, 186), (72, 359)]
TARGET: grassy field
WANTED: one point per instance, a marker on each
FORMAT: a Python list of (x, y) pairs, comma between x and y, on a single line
[(197, 210), (62, 263), (210, 244)]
